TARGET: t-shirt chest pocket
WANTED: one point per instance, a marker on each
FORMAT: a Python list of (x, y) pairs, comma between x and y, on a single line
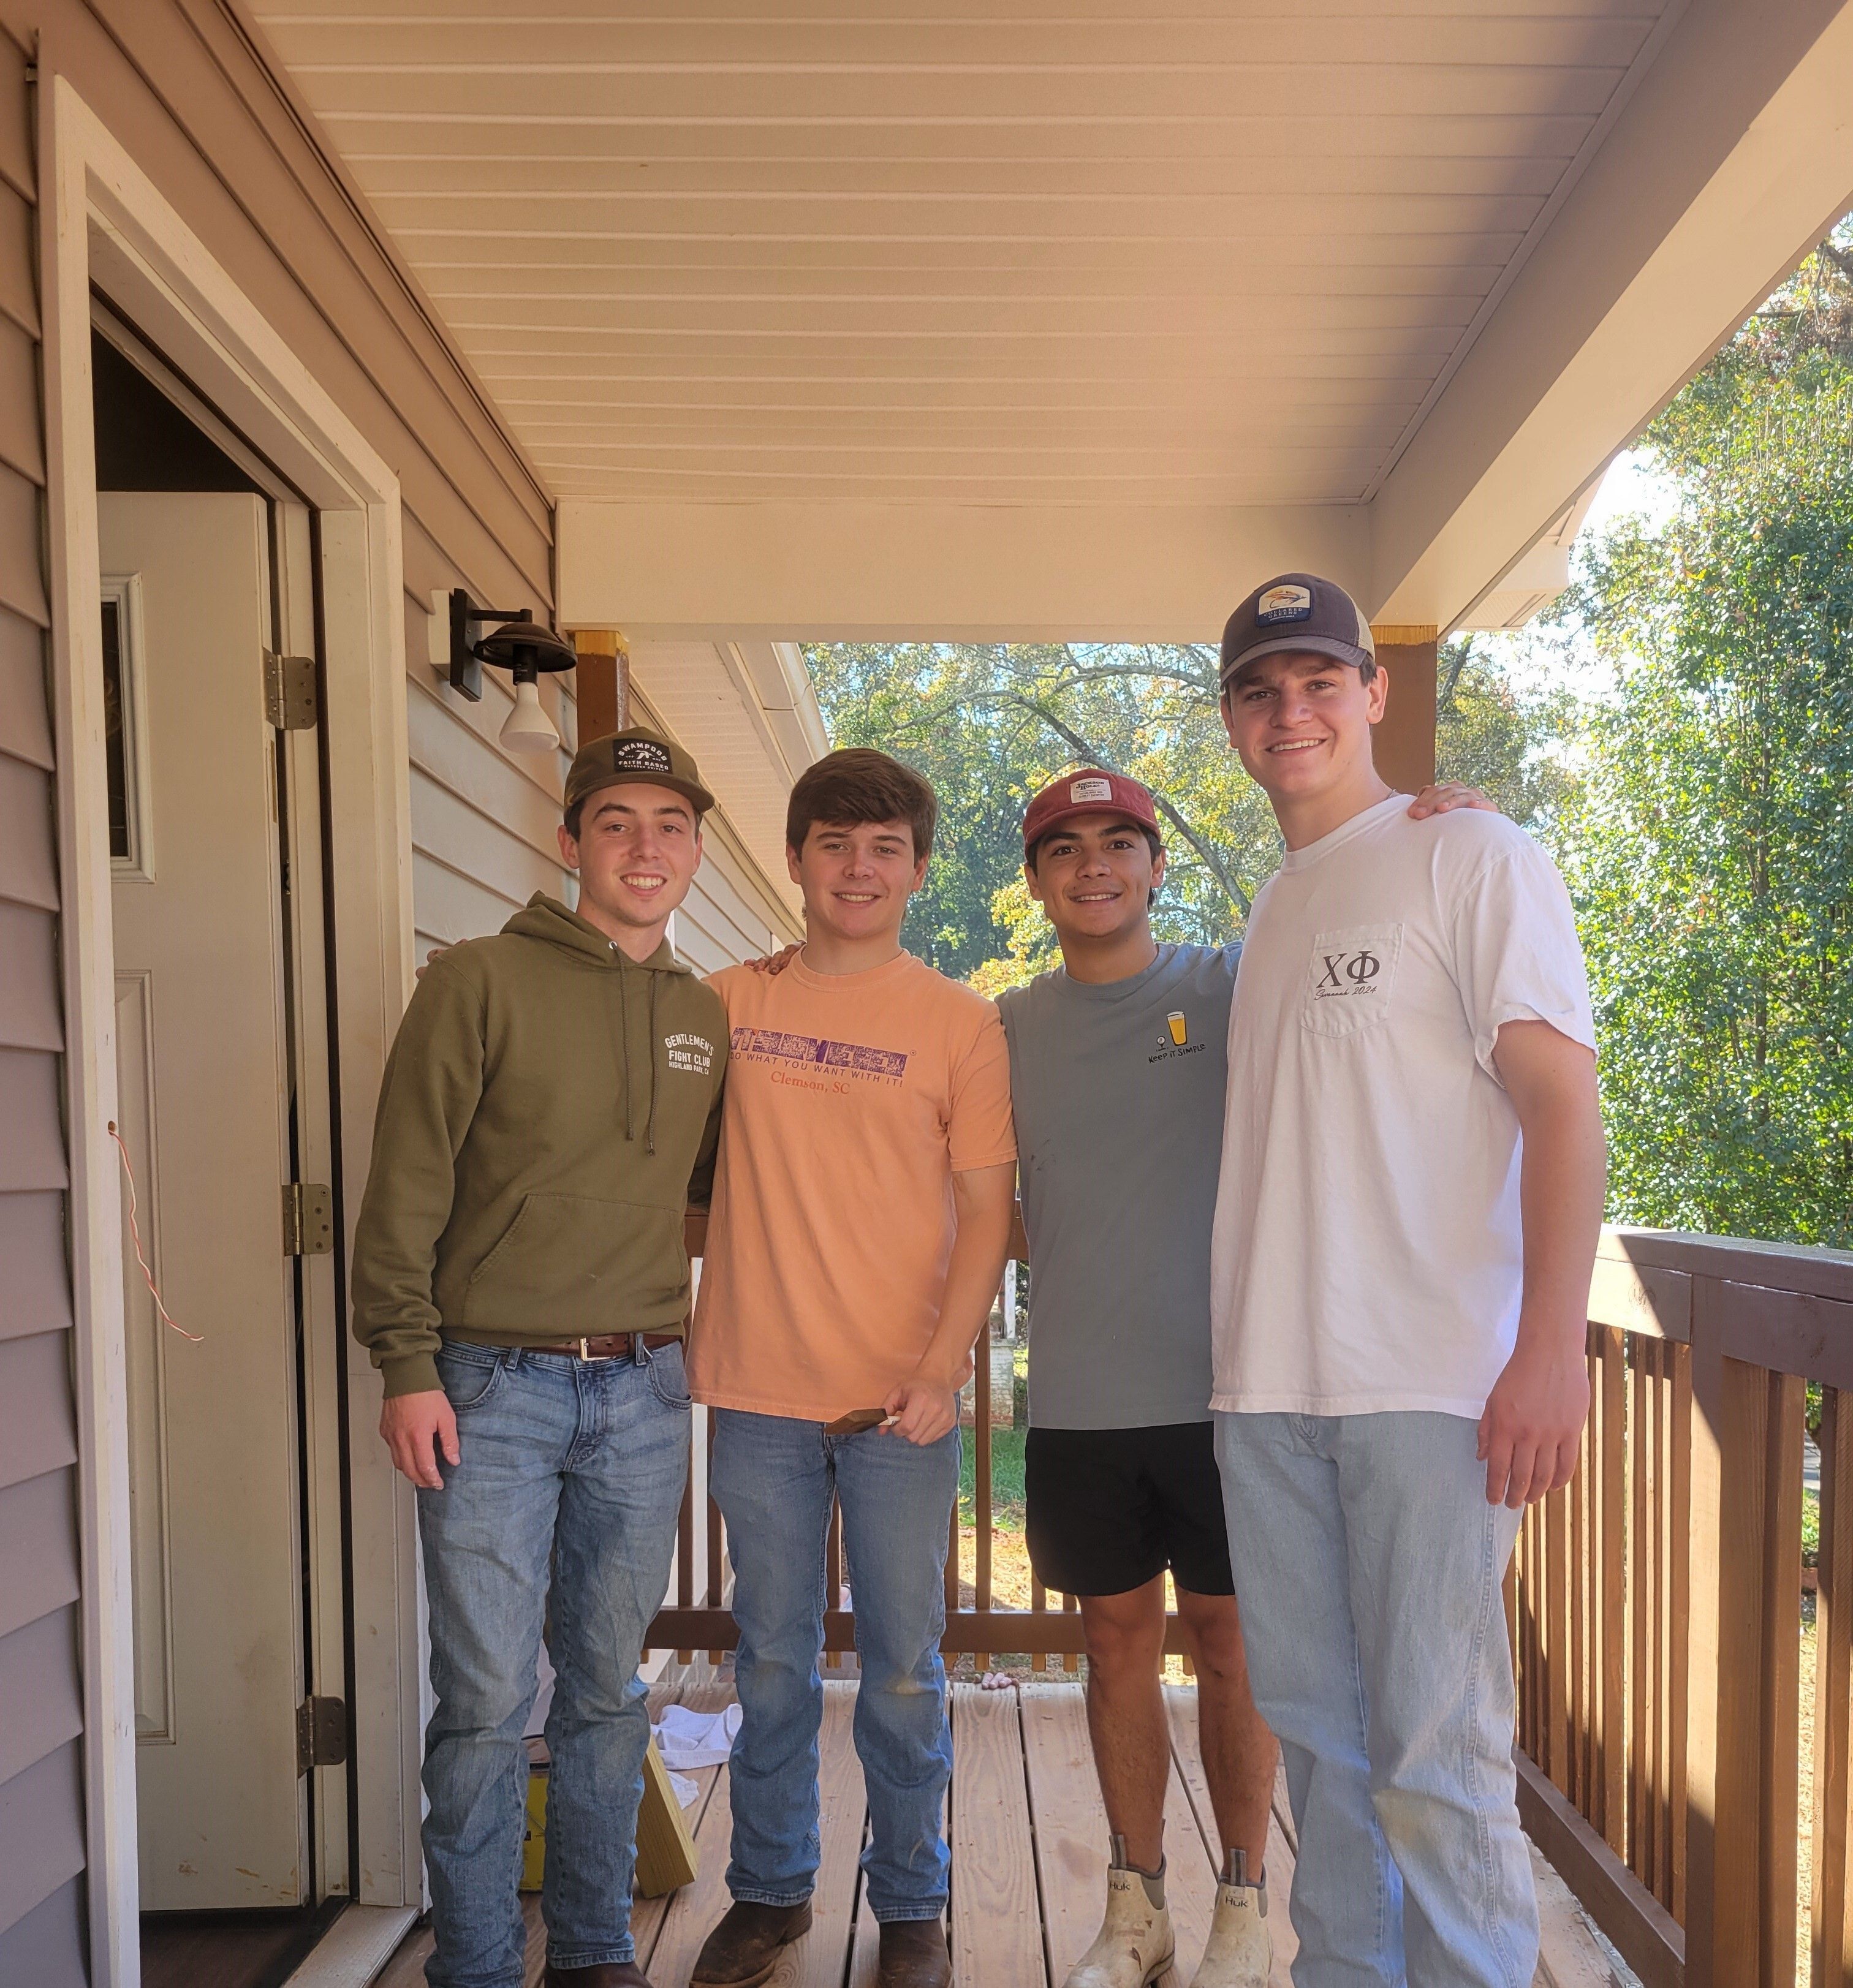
[(1350, 976)]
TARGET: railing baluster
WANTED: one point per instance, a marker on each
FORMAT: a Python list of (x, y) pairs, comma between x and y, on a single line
[(981, 1478), (1664, 1629), (1780, 1622), (833, 1574), (1831, 1943), (1642, 1539), (716, 1576), (1608, 1469), (684, 1542), (1677, 1362)]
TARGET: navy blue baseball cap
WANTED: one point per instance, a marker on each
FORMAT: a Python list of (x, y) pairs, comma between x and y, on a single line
[(1296, 611)]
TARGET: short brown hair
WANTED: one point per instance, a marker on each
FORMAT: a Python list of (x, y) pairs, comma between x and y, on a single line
[(858, 784)]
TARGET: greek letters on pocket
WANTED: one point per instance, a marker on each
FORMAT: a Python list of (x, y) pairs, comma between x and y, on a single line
[(1350, 978)]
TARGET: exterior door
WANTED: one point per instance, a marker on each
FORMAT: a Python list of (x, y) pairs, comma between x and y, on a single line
[(204, 1074)]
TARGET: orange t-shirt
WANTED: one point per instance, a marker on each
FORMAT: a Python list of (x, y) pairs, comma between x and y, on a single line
[(851, 1100)]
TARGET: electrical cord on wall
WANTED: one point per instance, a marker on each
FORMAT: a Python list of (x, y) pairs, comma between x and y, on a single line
[(166, 1317)]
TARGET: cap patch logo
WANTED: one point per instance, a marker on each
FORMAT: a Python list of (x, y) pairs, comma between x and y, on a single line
[(1283, 603), (1095, 789), (639, 756)]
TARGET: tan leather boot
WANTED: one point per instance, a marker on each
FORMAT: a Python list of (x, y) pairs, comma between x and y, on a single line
[(744, 1947), (914, 1955)]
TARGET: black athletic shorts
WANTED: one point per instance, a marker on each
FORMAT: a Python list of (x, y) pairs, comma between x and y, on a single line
[(1110, 1509)]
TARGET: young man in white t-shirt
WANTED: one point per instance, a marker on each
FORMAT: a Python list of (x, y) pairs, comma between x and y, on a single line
[(1411, 1192)]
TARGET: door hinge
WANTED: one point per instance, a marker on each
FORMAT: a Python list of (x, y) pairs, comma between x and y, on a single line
[(321, 1733), (309, 1219), (290, 700)]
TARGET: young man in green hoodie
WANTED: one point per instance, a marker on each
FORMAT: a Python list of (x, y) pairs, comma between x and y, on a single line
[(550, 1108)]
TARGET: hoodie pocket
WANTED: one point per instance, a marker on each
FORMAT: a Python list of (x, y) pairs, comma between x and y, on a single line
[(571, 1266)]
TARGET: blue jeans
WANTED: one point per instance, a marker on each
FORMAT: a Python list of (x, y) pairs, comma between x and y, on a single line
[(773, 1478), (1368, 1567), (562, 1509)]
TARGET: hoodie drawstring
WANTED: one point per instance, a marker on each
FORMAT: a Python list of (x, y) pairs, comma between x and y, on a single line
[(650, 1121), (624, 1023), (624, 1038)]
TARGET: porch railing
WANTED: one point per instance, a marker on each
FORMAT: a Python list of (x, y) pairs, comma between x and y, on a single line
[(1656, 1610), (698, 1618)]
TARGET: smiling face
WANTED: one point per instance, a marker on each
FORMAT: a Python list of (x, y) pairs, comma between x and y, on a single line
[(1093, 877), (1302, 724), (857, 877), (636, 850)]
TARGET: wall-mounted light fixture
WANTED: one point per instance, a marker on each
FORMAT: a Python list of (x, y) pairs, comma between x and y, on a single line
[(522, 647)]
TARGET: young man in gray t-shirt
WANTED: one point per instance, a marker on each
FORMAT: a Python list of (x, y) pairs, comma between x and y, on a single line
[(1118, 1065)]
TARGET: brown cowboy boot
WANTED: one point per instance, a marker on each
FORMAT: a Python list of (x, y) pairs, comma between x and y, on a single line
[(913, 1955), (744, 1947), (600, 1974)]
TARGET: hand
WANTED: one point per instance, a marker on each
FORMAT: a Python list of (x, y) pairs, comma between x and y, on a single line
[(922, 1409), (1529, 1433), (776, 964), (1444, 798), (438, 952), (413, 1427)]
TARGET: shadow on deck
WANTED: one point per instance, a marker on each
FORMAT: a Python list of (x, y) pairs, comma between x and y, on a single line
[(1029, 1859)]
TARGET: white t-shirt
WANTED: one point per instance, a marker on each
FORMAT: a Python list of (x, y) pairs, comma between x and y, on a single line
[(1367, 1252)]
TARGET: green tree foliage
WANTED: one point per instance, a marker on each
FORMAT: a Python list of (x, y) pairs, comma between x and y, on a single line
[(1492, 735), (1710, 848), (989, 724)]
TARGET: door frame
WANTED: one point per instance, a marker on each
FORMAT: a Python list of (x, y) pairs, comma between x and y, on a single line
[(102, 220)]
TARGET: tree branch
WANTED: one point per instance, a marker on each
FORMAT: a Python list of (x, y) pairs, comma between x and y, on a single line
[(1839, 257), (1084, 749)]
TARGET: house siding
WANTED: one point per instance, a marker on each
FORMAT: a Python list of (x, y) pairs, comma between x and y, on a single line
[(182, 89), (182, 86), (42, 1852)]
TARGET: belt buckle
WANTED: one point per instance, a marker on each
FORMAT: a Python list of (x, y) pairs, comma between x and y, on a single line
[(585, 1352)]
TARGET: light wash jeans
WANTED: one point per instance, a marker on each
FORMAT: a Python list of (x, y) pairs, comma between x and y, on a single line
[(563, 1508), (773, 1478), (1368, 1567)]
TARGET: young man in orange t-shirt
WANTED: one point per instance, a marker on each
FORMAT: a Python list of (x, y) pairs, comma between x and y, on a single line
[(861, 1214)]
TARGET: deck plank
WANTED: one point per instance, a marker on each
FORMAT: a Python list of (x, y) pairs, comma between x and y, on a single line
[(691, 1913), (1070, 1829), (1025, 1807), (647, 1915), (1187, 1756), (996, 1928), (818, 1959)]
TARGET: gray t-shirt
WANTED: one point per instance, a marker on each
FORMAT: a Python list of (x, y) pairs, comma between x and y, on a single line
[(1118, 1095)]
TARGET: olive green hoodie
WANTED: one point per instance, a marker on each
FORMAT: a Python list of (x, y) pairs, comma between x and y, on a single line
[(549, 1109)]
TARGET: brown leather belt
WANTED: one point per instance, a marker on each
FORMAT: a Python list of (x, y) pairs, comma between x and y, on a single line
[(611, 1345)]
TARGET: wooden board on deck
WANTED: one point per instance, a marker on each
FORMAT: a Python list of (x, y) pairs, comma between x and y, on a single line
[(816, 1961), (647, 1915), (1187, 1758), (996, 1931), (1071, 1826)]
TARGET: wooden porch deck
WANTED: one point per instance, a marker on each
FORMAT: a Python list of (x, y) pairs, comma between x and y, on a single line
[(1029, 1859)]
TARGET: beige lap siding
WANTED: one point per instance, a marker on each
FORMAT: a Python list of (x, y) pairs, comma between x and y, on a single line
[(41, 1849), (178, 84)]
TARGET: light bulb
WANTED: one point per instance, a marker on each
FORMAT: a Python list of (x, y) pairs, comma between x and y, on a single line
[(529, 729)]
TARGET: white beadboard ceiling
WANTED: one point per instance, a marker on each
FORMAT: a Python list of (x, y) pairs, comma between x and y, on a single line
[(1058, 251)]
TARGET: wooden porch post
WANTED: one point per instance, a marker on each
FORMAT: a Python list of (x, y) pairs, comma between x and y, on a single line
[(603, 677), (1404, 745)]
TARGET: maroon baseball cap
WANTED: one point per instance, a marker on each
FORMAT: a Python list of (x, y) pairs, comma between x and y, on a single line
[(1087, 790)]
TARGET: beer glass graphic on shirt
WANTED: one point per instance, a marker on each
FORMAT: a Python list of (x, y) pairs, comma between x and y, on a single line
[(1180, 1034)]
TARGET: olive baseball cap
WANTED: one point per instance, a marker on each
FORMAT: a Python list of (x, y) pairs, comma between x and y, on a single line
[(1296, 611), (637, 754)]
